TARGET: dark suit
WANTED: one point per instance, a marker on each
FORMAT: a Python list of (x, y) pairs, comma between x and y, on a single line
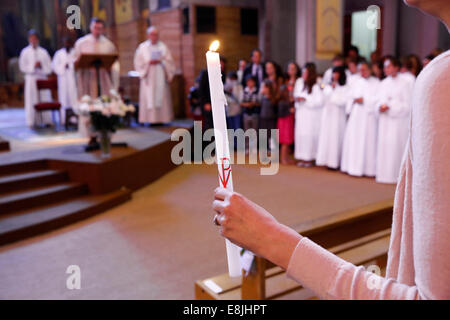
[(248, 71)]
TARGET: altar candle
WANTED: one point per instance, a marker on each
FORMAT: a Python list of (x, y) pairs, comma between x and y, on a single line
[(218, 102)]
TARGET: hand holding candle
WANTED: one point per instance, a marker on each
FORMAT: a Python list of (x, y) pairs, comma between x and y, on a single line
[(218, 102)]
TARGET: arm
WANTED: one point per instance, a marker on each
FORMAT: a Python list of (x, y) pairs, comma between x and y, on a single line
[(251, 227), (58, 65)]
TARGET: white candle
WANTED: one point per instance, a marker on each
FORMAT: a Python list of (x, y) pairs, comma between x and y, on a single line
[(218, 102)]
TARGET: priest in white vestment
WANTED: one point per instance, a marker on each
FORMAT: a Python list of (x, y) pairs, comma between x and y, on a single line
[(154, 63), (393, 105), (94, 43), (63, 66), (333, 121), (36, 64), (308, 111), (360, 140)]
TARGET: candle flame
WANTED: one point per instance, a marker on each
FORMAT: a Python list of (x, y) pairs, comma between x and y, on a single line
[(214, 46)]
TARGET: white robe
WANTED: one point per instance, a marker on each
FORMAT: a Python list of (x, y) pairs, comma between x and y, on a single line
[(332, 126), (63, 66), (27, 61), (328, 76), (155, 101), (307, 121), (87, 78), (393, 127), (360, 141)]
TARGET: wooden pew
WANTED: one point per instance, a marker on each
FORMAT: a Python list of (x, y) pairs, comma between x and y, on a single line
[(359, 236)]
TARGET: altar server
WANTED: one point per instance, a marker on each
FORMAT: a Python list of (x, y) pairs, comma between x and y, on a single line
[(156, 68), (308, 105), (393, 106), (333, 121), (36, 64), (63, 66), (360, 141)]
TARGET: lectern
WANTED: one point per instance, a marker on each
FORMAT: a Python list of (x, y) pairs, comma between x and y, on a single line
[(97, 61)]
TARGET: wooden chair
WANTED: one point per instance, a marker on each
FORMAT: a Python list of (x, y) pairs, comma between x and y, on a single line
[(53, 106), (359, 236)]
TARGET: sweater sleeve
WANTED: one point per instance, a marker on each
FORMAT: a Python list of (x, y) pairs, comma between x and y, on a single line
[(330, 277)]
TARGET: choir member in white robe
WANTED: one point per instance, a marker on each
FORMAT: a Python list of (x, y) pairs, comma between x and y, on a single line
[(393, 105), (63, 66), (337, 61), (360, 140), (156, 68), (333, 121), (308, 111), (36, 64), (93, 43)]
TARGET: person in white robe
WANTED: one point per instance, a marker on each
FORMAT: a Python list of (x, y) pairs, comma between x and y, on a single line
[(93, 43), (338, 61), (393, 106), (308, 111), (333, 121), (63, 66), (360, 141), (155, 65), (36, 64)]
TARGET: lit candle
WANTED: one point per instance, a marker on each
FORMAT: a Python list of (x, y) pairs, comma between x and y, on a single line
[(218, 102)]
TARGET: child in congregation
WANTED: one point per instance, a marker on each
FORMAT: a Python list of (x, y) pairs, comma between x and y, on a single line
[(251, 108), (360, 142), (234, 95), (333, 121), (308, 111)]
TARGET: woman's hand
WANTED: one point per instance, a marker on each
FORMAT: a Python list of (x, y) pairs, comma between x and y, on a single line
[(251, 227)]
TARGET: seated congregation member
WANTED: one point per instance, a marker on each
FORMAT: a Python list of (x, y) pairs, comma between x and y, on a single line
[(419, 253), (286, 112), (251, 108), (308, 112), (333, 121), (393, 106), (268, 115), (360, 140), (35, 63), (234, 95)]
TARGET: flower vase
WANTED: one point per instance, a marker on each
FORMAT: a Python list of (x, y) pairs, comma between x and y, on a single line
[(105, 144)]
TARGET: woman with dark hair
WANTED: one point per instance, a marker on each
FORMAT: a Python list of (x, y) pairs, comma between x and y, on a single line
[(286, 112), (333, 122), (268, 116), (308, 111), (274, 74)]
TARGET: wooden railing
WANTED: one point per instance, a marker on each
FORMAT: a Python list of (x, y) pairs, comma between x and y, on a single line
[(359, 236)]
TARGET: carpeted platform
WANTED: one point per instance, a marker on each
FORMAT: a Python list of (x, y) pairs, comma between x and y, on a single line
[(157, 245)]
